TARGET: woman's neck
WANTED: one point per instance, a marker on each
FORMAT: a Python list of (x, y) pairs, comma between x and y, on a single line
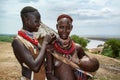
[(64, 46), (30, 34), (64, 43)]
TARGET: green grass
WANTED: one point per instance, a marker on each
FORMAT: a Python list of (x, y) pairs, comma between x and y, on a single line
[(6, 38)]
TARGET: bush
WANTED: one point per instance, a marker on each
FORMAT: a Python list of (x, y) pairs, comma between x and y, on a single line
[(112, 48), (80, 40), (107, 51)]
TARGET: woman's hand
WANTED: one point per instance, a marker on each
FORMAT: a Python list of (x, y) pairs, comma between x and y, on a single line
[(49, 38)]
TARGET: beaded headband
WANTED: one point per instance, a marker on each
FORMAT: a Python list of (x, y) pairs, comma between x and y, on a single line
[(64, 16)]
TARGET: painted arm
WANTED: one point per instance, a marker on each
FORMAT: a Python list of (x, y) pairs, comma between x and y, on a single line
[(50, 67), (24, 55)]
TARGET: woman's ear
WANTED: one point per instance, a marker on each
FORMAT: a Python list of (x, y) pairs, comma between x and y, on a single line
[(71, 27), (57, 26), (25, 20)]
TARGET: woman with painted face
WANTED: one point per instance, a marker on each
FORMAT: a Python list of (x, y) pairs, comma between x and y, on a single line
[(65, 59)]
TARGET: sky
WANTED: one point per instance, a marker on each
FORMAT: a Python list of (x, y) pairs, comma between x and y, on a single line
[(90, 17)]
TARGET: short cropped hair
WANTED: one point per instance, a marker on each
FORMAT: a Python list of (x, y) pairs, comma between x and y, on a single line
[(26, 10)]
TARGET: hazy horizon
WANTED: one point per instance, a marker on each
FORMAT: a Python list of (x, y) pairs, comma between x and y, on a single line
[(89, 36)]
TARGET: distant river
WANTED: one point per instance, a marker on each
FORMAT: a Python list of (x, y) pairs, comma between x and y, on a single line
[(94, 43)]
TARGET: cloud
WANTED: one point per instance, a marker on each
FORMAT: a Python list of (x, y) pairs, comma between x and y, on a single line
[(86, 13), (2, 12), (91, 14), (98, 2), (28, 1)]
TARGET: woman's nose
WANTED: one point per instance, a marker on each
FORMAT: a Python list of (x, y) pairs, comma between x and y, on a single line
[(64, 30)]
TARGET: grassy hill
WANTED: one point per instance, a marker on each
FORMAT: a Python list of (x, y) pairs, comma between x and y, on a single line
[(6, 38)]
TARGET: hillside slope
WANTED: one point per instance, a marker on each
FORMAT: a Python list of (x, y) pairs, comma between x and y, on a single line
[(10, 69)]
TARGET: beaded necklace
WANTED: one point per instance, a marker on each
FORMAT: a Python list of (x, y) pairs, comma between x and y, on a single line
[(23, 34), (64, 50)]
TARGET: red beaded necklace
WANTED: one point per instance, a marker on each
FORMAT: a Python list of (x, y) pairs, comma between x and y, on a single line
[(25, 36), (64, 51)]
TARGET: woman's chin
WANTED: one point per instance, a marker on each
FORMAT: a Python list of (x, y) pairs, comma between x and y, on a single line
[(64, 37)]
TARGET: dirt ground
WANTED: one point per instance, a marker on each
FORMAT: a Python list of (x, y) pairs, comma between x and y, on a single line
[(10, 69)]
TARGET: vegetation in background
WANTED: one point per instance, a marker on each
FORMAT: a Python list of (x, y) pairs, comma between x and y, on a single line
[(6, 38), (80, 40), (112, 48)]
